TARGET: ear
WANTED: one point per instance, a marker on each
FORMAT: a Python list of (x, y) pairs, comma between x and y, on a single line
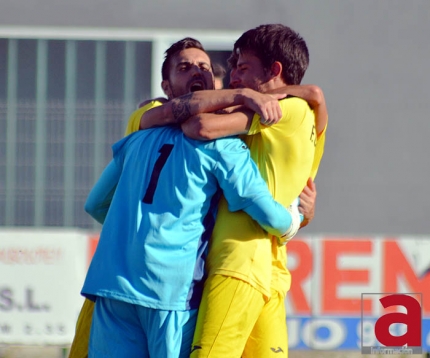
[(276, 69), (165, 85)]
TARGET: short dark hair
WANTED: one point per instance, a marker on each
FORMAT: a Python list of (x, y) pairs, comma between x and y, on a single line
[(275, 42), (232, 60), (177, 47)]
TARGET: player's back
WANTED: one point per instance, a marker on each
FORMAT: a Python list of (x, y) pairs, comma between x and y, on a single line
[(158, 216), (175, 179)]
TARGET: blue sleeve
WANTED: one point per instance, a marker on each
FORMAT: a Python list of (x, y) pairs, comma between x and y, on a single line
[(271, 215), (245, 189), (100, 196)]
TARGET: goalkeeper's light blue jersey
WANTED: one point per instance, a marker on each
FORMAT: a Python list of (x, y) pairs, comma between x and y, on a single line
[(157, 201)]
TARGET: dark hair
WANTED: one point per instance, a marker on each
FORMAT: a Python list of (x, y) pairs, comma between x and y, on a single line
[(177, 47), (275, 42), (219, 70), (232, 60)]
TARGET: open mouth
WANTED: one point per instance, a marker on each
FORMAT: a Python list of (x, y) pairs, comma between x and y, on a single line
[(197, 86)]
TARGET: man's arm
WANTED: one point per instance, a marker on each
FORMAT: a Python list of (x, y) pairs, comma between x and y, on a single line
[(147, 101), (100, 196), (177, 110), (307, 202), (208, 126), (211, 126), (245, 189)]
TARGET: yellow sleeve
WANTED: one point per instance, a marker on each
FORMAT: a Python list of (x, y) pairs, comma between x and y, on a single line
[(296, 113), (294, 109), (255, 125), (134, 120)]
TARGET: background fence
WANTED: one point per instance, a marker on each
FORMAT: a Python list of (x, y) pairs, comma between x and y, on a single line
[(63, 103)]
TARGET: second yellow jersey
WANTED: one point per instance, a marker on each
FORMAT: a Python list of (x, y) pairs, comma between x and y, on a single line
[(133, 123), (287, 154)]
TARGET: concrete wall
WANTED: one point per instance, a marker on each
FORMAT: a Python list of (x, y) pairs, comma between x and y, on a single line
[(370, 57)]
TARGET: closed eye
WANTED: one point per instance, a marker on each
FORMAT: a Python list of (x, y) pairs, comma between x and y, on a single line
[(184, 67)]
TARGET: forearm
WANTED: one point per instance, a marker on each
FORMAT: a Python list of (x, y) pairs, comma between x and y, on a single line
[(315, 97), (307, 202), (208, 126), (207, 102), (157, 117), (100, 196), (270, 215), (179, 109)]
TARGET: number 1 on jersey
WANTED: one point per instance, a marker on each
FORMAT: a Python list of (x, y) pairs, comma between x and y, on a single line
[(164, 151)]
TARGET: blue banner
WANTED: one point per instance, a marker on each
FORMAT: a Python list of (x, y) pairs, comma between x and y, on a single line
[(338, 333)]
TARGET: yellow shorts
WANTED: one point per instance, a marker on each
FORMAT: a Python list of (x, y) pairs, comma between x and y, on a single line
[(235, 321), (79, 348), (269, 336)]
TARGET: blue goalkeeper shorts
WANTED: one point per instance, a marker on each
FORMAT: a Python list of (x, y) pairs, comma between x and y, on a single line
[(121, 329)]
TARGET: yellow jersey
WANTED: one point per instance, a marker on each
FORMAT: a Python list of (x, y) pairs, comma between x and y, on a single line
[(287, 154)]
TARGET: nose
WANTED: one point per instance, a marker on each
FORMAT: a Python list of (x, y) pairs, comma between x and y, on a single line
[(196, 71), (234, 78)]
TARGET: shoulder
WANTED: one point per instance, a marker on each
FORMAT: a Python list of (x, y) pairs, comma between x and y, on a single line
[(149, 137), (296, 109), (292, 101), (125, 142), (133, 122)]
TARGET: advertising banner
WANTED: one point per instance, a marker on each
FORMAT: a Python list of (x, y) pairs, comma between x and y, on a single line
[(337, 282), (41, 275), (334, 302)]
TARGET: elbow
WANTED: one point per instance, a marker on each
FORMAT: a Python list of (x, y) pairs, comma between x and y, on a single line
[(95, 212), (317, 96), (194, 128), (92, 207), (207, 135), (89, 208)]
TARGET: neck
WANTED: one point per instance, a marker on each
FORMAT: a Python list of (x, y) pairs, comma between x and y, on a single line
[(273, 84)]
